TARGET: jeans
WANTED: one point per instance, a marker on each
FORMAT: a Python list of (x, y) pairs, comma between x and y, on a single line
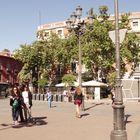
[(15, 114)]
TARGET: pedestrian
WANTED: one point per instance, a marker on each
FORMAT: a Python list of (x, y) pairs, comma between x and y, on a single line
[(49, 98), (15, 102), (78, 98), (72, 90), (21, 106), (27, 99)]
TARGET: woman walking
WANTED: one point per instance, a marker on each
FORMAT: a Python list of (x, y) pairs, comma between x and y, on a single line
[(27, 98), (15, 102), (78, 97)]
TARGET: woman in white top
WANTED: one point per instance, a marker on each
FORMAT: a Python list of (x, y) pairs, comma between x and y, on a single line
[(27, 97)]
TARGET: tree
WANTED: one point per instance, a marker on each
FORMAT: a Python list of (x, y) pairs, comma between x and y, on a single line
[(103, 10), (97, 47), (42, 83), (69, 80), (6, 50)]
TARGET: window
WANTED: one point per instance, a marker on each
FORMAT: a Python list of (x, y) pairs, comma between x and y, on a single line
[(46, 35), (135, 23), (59, 33), (8, 67)]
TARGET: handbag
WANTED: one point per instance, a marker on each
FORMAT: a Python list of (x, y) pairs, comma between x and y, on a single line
[(15, 104)]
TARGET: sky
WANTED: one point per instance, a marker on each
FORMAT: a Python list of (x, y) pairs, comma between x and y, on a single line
[(19, 19)]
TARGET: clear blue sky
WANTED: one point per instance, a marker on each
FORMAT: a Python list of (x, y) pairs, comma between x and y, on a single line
[(19, 18)]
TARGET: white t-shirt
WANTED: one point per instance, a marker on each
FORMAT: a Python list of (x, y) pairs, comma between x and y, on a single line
[(25, 97)]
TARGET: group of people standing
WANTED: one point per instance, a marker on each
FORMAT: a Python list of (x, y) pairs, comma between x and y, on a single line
[(21, 103)]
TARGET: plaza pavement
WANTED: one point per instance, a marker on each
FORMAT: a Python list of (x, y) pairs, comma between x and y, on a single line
[(60, 123)]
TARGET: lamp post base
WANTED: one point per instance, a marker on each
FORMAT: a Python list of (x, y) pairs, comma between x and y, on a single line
[(119, 132), (118, 135)]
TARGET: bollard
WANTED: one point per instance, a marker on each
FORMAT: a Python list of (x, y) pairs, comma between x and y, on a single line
[(42, 97), (34, 96), (60, 98), (45, 97), (56, 98), (37, 96)]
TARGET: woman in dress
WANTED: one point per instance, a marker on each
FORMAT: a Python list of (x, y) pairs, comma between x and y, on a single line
[(78, 97)]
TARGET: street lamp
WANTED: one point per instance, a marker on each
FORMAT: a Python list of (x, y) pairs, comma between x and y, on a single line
[(119, 132), (75, 23)]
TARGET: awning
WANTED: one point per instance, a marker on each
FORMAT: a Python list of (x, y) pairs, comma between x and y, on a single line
[(93, 83)]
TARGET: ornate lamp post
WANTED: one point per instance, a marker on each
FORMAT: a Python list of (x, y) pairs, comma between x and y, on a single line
[(75, 23), (119, 132)]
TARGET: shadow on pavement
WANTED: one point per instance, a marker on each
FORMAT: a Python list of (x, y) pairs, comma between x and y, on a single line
[(53, 106), (92, 106), (85, 114), (35, 121), (126, 119)]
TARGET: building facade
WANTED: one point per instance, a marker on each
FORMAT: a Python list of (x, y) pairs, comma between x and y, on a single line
[(9, 69), (44, 31), (60, 28)]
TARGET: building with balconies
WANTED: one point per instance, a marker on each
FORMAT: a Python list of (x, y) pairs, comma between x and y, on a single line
[(9, 69)]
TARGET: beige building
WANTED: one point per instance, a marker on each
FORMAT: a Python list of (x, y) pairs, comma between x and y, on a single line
[(44, 31), (60, 28)]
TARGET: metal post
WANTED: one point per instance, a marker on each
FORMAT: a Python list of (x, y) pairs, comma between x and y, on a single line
[(119, 132), (138, 78), (75, 19), (80, 62), (80, 68)]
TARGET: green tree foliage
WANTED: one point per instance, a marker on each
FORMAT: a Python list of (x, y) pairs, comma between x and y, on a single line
[(98, 46), (6, 50), (42, 82), (130, 49), (125, 23), (68, 79), (103, 10)]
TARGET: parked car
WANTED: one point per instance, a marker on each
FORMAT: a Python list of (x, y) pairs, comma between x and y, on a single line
[(4, 92)]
